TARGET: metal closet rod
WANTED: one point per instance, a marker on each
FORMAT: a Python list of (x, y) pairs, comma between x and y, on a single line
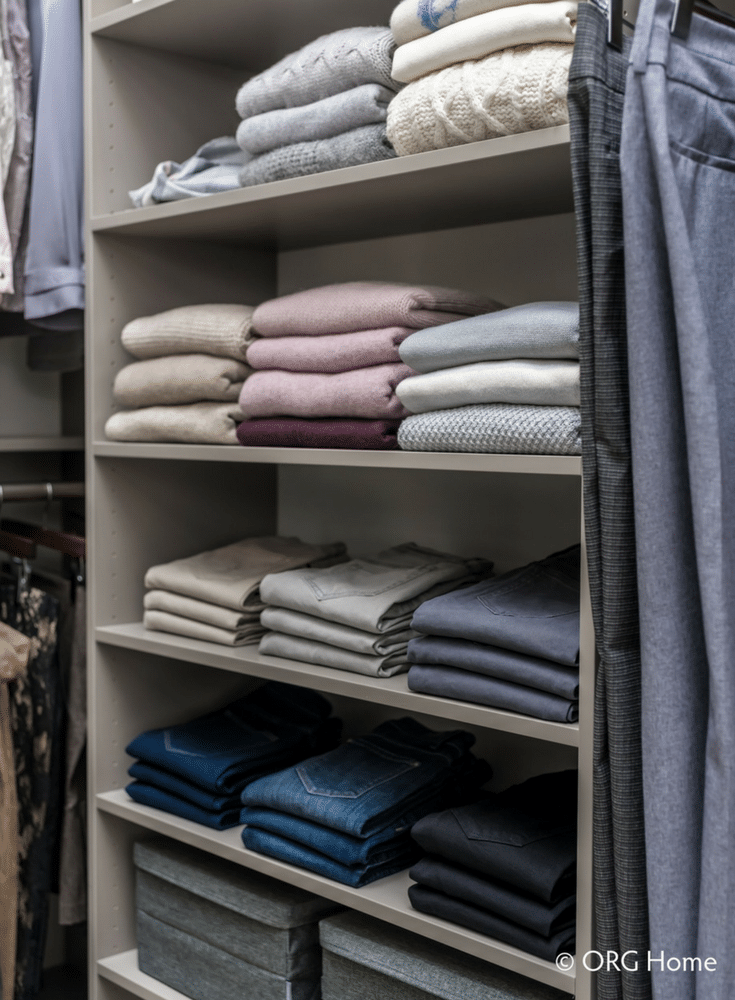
[(41, 491)]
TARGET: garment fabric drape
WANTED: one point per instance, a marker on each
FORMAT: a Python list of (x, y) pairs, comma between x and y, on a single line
[(35, 711), (678, 166), (596, 90), (14, 650)]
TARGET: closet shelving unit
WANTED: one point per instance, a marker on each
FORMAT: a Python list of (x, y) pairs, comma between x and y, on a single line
[(160, 80)]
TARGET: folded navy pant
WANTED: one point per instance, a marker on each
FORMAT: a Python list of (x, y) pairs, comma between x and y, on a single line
[(449, 682), (533, 610), (148, 795), (222, 750), (170, 783), (496, 897), (438, 905), (524, 836), (492, 661), (369, 782)]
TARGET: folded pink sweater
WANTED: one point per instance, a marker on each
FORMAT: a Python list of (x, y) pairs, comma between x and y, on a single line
[(365, 305), (334, 352), (366, 392)]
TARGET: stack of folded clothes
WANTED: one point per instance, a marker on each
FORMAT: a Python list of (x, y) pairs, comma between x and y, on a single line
[(347, 814), (511, 642), (478, 69), (505, 866), (320, 108), (215, 596), (327, 363), (356, 616), (185, 384), (198, 769), (505, 382)]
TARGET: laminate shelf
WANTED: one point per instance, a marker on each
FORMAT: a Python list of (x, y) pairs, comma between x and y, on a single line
[(47, 443), (123, 971), (480, 182), (386, 899), (230, 31), (545, 465), (391, 691)]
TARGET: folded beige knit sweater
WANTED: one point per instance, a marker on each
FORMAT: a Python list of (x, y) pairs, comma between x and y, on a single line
[(220, 329), (181, 378), (195, 423), (516, 90)]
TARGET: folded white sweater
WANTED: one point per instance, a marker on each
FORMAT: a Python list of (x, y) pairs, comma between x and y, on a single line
[(415, 18), (480, 36), (538, 383), (516, 90)]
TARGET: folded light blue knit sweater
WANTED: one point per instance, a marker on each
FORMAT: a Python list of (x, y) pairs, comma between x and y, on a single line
[(326, 66)]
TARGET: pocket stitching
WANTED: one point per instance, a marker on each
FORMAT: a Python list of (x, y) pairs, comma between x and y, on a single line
[(409, 575)]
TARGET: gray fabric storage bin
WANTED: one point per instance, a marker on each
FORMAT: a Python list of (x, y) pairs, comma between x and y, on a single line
[(203, 972), (205, 910), (366, 959)]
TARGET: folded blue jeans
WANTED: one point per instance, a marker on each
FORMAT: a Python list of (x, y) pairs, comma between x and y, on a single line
[(297, 854), (220, 751), (533, 610), (147, 795), (165, 782), (368, 782)]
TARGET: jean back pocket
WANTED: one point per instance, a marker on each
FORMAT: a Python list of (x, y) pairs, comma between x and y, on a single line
[(352, 770)]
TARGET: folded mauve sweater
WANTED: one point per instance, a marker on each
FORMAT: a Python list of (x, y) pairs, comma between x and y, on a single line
[(328, 65), (516, 90), (362, 145), (366, 393), (480, 36), (336, 352), (223, 330), (365, 105), (414, 18), (183, 378), (362, 305), (290, 432)]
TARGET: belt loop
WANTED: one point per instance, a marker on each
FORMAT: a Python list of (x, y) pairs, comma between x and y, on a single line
[(650, 14)]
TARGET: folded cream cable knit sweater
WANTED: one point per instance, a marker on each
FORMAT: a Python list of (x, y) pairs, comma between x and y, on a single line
[(516, 90), (477, 37), (415, 18)]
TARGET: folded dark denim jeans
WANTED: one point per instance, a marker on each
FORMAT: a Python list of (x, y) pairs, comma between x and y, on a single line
[(220, 751), (368, 782), (525, 836), (532, 610), (449, 682), (341, 847), (147, 795), (458, 912), (492, 661), (496, 897), (166, 782), (286, 850)]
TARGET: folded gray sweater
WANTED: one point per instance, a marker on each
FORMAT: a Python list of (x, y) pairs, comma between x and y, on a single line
[(328, 65), (364, 105), (534, 330), (361, 145)]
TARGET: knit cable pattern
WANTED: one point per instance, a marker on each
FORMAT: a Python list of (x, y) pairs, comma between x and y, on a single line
[(328, 65), (516, 90)]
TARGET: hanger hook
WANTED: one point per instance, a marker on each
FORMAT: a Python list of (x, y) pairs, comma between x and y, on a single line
[(49, 498)]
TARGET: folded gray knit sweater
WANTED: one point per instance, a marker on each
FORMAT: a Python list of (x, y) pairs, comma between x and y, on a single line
[(361, 145), (326, 66)]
